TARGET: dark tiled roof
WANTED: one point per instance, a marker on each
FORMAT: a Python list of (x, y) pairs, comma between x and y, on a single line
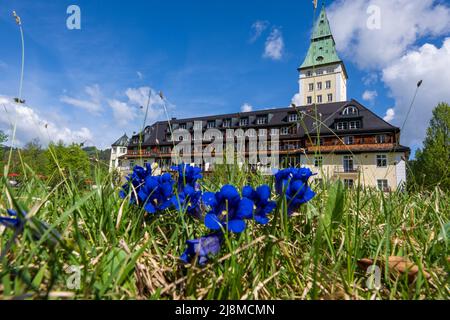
[(330, 113), (122, 142)]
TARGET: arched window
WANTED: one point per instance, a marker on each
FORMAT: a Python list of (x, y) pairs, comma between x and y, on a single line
[(351, 110)]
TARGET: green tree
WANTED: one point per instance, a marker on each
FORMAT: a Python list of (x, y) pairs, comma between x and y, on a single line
[(431, 167), (34, 156), (72, 160), (3, 138)]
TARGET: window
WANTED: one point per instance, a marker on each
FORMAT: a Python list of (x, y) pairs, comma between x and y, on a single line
[(309, 100), (319, 85), (349, 140), (311, 86), (230, 134), (328, 84), (355, 125), (244, 122), (319, 98), (165, 150), (350, 111), (381, 161), (381, 138), (284, 131), (123, 150), (261, 120), (319, 72), (227, 123), (318, 161), (274, 132), (183, 126), (293, 117), (309, 74), (262, 132), (330, 97), (383, 185), (348, 183), (330, 70), (318, 142), (341, 126), (211, 124), (348, 164)]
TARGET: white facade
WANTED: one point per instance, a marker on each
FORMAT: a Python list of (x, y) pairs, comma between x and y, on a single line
[(116, 152), (317, 78)]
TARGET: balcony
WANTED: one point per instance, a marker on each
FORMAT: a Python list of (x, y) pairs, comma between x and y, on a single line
[(347, 169)]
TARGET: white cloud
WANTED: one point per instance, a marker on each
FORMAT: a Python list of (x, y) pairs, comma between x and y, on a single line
[(390, 115), (296, 99), (402, 23), (140, 75), (92, 105), (430, 64), (138, 98), (274, 47), (369, 95), (246, 108), (257, 29), (370, 79), (122, 112), (29, 125)]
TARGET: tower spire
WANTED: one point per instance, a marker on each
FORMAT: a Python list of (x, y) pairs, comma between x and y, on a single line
[(323, 77)]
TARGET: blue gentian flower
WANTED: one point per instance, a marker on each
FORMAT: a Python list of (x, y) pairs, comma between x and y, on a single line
[(136, 179), (227, 210), (188, 176), (189, 193), (189, 200), (293, 182), (202, 248), (154, 192), (13, 221), (260, 197)]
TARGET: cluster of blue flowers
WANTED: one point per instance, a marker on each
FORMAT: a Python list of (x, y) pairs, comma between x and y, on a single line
[(222, 212)]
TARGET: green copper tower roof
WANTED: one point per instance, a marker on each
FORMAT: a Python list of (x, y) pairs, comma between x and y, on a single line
[(322, 49)]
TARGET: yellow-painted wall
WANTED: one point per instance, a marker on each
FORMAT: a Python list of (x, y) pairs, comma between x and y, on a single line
[(367, 174)]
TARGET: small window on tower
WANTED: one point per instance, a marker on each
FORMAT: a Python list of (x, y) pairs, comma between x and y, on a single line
[(319, 58)]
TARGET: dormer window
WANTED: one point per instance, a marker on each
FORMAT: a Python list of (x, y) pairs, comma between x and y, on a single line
[(341, 126), (355, 125), (284, 131), (293, 117), (226, 123), (211, 124), (261, 120), (244, 122), (350, 111)]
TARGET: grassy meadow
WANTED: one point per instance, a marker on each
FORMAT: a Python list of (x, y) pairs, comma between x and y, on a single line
[(95, 245)]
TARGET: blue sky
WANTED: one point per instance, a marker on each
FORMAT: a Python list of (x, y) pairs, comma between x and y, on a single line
[(205, 56)]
